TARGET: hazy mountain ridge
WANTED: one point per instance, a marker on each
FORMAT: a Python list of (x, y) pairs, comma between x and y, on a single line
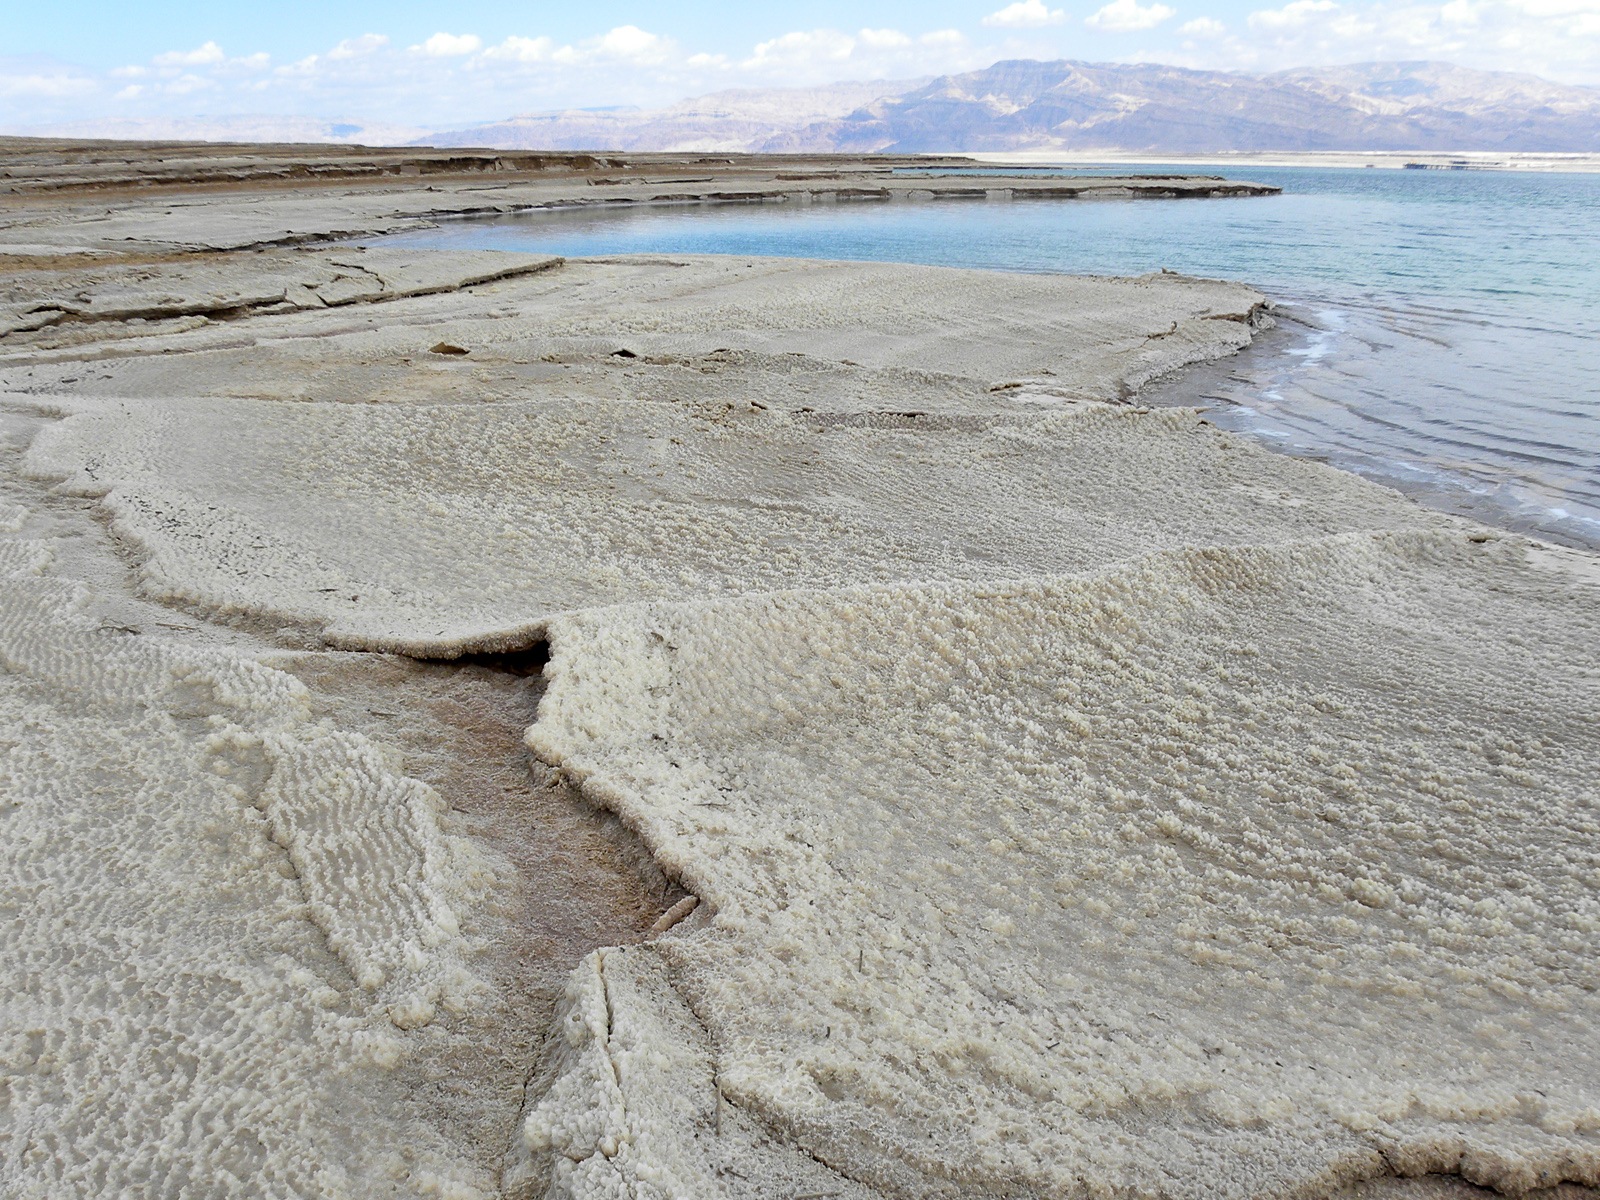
[(737, 119), (233, 128), (1025, 105), (1014, 105), (1406, 86)]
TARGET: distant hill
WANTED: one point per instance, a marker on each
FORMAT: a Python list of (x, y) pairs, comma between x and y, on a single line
[(1093, 106), (1027, 105), (739, 119), (1016, 105), (263, 128)]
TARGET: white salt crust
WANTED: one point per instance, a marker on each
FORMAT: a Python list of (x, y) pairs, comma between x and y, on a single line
[(437, 529), (220, 918), (1274, 866), (278, 281), (1082, 802), (749, 442)]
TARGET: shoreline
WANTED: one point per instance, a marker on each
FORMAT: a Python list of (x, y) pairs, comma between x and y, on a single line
[(1467, 160), (1437, 490), (353, 196), (1513, 503), (940, 776)]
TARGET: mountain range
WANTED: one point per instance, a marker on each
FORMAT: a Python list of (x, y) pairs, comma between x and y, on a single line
[(738, 119), (1028, 105), (1019, 105)]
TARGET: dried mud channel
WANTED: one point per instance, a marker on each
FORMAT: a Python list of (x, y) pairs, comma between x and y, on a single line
[(577, 881), (568, 878), (297, 541)]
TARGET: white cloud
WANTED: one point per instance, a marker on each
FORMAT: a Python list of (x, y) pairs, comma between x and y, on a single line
[(1579, 18), (367, 43), (199, 57), (1297, 13), (45, 85), (801, 49), (1129, 16), (1203, 27), (804, 58), (884, 39), (449, 45), (632, 43), (1494, 35), (521, 50), (1025, 14), (1558, 8), (624, 44), (176, 64), (188, 82), (132, 92)]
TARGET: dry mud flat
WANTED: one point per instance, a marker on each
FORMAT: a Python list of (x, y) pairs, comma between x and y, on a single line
[(479, 724)]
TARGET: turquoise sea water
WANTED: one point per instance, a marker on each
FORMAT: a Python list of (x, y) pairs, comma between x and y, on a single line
[(1439, 331)]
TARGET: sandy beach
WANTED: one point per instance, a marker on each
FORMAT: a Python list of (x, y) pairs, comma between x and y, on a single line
[(481, 724)]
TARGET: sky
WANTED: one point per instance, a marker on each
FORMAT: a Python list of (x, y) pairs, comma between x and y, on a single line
[(432, 65)]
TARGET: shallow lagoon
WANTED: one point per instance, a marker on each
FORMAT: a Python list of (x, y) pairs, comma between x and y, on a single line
[(1440, 330)]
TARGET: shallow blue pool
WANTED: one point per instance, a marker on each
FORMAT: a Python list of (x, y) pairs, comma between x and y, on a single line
[(1441, 331)]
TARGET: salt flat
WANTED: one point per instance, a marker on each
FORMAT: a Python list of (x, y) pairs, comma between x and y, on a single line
[(949, 778)]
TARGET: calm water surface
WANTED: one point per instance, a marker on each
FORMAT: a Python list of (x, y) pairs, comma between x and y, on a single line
[(1440, 331)]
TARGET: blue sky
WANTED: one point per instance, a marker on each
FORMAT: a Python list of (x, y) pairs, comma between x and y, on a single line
[(430, 64)]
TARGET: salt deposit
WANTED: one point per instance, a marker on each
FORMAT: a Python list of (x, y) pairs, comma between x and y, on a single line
[(220, 919), (1054, 798), (1272, 865), (728, 449)]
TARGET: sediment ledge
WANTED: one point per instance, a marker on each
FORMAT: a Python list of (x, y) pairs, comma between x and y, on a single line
[(67, 198), (487, 725)]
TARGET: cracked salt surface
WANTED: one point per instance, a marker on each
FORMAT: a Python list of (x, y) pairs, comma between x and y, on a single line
[(1205, 867), (1079, 802), (220, 916)]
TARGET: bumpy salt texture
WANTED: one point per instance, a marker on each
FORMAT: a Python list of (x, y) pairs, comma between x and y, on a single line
[(437, 528), (1273, 866), (1105, 864), (220, 917)]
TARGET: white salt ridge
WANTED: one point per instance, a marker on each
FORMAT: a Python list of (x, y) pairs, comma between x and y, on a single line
[(1268, 865), (434, 529), (1080, 803), (220, 916)]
